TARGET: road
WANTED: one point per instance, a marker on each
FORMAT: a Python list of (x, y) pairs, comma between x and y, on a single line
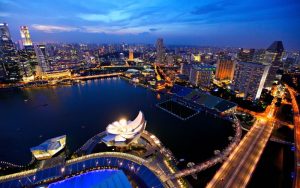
[(296, 135), (238, 168)]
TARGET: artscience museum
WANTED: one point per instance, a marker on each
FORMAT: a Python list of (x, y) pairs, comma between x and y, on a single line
[(123, 132)]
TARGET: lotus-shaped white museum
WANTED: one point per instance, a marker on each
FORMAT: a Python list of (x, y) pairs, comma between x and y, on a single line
[(123, 132)]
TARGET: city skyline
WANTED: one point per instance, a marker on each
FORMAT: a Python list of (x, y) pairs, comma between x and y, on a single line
[(219, 23), (150, 93)]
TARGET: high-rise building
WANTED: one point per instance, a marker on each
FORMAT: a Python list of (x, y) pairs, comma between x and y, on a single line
[(25, 36), (130, 58), (273, 57), (245, 55), (160, 50), (201, 75), (40, 51), (9, 64), (4, 31), (276, 50), (249, 79), (26, 69), (225, 68)]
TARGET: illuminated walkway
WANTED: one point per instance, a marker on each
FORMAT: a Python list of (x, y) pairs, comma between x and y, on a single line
[(238, 168)]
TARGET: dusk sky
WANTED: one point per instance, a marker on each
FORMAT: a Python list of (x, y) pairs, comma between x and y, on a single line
[(237, 23)]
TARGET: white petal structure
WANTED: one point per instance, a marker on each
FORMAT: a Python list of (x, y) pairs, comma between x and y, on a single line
[(123, 132)]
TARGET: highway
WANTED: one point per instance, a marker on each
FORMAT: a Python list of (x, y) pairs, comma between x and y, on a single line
[(296, 135), (238, 168)]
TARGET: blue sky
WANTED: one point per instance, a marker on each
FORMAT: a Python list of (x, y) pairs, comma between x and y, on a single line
[(238, 23)]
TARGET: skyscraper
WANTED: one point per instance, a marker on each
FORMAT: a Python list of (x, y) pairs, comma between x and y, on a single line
[(9, 64), (160, 50), (272, 57), (26, 41), (26, 69), (4, 31), (225, 68), (40, 51), (249, 79)]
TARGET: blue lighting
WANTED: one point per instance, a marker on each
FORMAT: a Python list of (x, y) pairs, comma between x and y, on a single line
[(96, 179)]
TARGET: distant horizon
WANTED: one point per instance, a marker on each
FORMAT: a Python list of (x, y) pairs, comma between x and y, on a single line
[(245, 24), (152, 43)]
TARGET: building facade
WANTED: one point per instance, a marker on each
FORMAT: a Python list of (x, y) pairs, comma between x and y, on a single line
[(25, 36), (9, 60), (130, 58), (40, 51), (160, 50), (201, 75), (273, 57), (185, 68), (225, 69), (249, 79)]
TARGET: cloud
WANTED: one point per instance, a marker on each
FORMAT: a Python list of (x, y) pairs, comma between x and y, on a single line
[(4, 14), (114, 30), (153, 29), (54, 28), (109, 17), (92, 29), (207, 9)]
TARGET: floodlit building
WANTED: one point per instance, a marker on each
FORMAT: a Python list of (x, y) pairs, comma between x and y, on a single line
[(130, 58), (56, 74), (26, 40), (49, 148), (123, 132), (225, 69), (196, 57), (249, 79)]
